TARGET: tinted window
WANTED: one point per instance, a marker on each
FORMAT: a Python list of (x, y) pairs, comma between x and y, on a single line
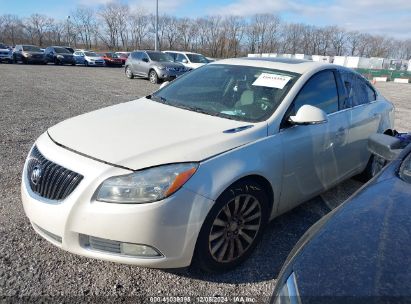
[(180, 58), (173, 55), (358, 91), (160, 57), (136, 55), (61, 50), (31, 48), (144, 56), (197, 58), (320, 91)]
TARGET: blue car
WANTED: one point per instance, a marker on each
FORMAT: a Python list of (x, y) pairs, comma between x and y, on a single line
[(360, 252)]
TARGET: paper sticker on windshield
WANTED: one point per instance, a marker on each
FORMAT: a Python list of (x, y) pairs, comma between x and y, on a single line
[(271, 80)]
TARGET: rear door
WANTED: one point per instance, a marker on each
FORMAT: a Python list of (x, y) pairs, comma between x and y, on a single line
[(312, 153), (365, 116)]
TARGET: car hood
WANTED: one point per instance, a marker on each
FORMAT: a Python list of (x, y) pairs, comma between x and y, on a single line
[(144, 133)]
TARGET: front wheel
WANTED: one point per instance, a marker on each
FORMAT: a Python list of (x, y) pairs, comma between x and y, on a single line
[(86, 63), (233, 227), (153, 77)]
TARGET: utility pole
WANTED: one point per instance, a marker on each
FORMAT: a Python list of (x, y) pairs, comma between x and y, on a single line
[(156, 39), (68, 31)]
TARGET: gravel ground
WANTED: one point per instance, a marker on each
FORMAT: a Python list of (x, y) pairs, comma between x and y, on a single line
[(33, 98)]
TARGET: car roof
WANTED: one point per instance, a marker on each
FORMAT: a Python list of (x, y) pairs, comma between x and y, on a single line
[(299, 66)]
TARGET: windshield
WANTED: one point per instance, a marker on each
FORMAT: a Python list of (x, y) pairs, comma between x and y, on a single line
[(90, 54), (236, 92), (112, 55), (62, 51), (160, 57), (31, 48), (197, 58)]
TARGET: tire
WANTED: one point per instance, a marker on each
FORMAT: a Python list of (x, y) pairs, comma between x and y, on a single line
[(86, 63), (153, 77), (232, 228), (129, 73), (56, 61), (24, 60), (14, 59), (374, 166)]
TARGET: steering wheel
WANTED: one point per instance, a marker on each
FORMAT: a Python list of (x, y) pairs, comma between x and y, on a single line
[(265, 105)]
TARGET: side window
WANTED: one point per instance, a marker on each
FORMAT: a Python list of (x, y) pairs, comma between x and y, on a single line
[(173, 55), (319, 91), (371, 94), (144, 55), (358, 91), (136, 55), (180, 58)]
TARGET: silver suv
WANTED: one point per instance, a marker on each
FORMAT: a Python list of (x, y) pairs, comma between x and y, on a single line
[(156, 66)]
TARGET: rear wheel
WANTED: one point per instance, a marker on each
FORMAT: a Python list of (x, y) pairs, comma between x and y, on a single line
[(153, 77), (374, 166), (129, 73), (233, 227)]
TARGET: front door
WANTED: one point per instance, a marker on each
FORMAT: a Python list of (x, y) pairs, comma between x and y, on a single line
[(312, 153)]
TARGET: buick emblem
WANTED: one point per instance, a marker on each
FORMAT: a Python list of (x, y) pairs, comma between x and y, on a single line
[(35, 175)]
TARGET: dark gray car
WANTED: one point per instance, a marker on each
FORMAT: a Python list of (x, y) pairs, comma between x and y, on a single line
[(28, 54), (156, 66), (360, 252)]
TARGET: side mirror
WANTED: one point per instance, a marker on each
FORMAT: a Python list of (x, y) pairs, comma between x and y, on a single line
[(164, 84), (308, 115), (145, 59), (184, 61), (385, 146)]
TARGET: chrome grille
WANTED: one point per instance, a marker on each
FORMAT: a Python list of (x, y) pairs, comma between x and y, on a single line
[(48, 179), (96, 243)]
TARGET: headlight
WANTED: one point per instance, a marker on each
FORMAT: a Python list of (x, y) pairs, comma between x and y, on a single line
[(60, 56), (288, 294), (26, 54), (147, 185), (160, 67)]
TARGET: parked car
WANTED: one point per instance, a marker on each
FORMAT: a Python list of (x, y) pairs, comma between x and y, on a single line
[(123, 56), (69, 48), (6, 53), (358, 253), (194, 171), (59, 55), (111, 59), (188, 59), (156, 66), (88, 58), (28, 54)]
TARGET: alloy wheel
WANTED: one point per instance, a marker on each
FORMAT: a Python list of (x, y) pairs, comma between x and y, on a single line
[(235, 228)]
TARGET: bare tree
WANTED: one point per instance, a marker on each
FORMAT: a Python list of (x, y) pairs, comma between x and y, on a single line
[(84, 22)]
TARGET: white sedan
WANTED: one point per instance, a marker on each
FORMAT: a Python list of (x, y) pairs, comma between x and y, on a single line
[(193, 172)]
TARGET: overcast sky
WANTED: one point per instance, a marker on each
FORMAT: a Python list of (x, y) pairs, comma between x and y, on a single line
[(392, 18)]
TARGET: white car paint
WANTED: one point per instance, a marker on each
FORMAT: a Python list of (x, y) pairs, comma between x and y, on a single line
[(189, 64), (298, 162)]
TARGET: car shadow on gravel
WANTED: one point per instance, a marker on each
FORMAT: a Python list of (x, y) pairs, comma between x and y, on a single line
[(279, 238)]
